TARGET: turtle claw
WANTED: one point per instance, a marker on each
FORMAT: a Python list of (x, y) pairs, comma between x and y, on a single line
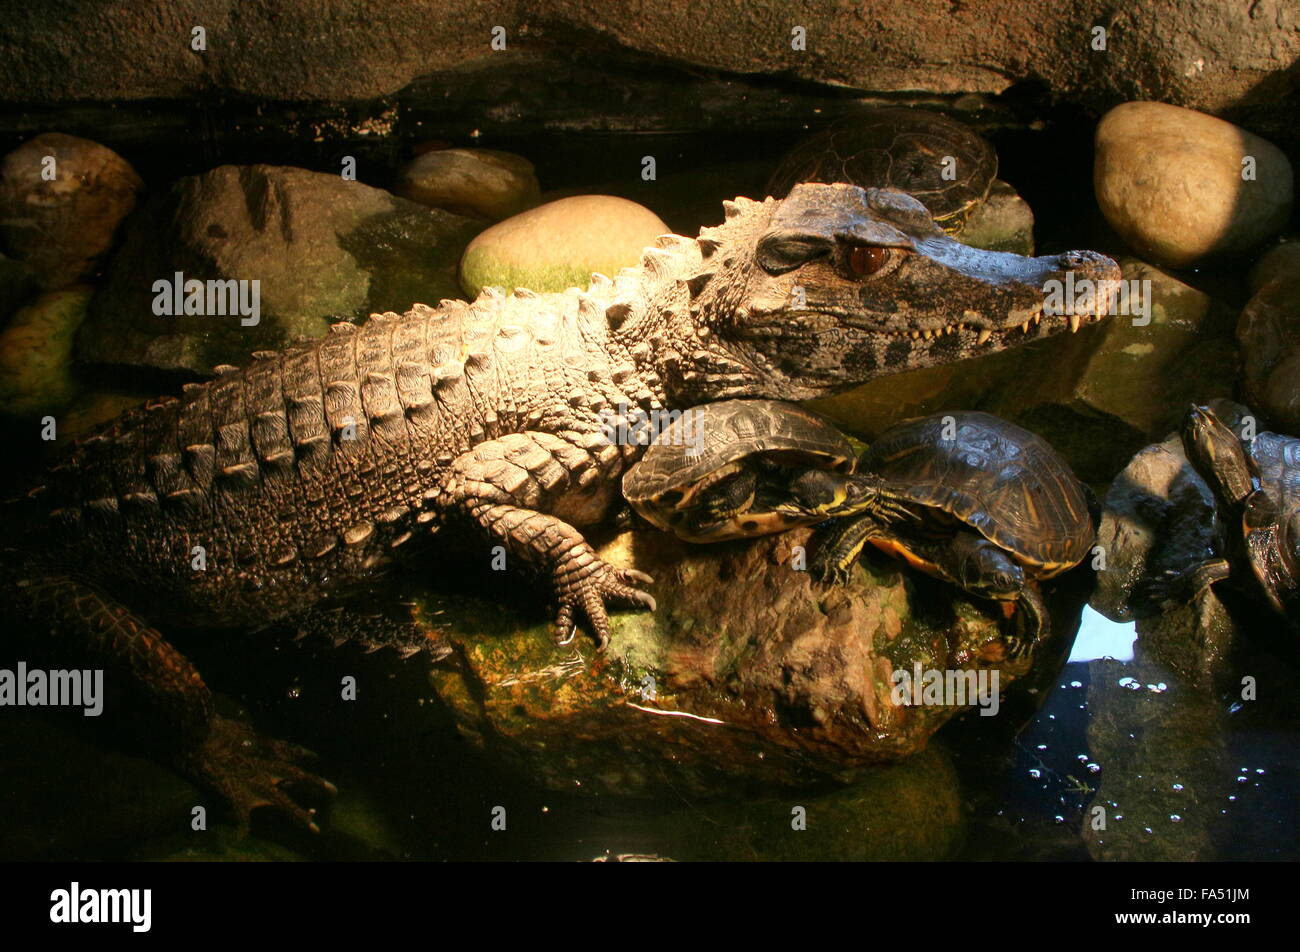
[(250, 771), (830, 573), (587, 588)]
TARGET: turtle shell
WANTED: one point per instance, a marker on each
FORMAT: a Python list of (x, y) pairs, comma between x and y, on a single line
[(896, 148), (709, 442), (1003, 481)]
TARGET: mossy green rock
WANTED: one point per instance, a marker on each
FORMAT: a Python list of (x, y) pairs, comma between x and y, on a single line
[(322, 248), (747, 677), (1002, 222), (36, 353), (558, 245)]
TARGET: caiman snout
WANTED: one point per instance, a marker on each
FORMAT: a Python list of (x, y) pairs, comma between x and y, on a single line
[(1084, 286)]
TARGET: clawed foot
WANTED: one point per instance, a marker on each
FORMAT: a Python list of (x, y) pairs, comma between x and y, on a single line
[(250, 771), (830, 572), (583, 583), (1170, 589)]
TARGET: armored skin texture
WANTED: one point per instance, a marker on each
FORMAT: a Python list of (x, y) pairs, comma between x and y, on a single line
[(299, 475)]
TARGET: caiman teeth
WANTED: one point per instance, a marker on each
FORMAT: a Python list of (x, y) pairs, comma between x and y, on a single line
[(984, 335), (1074, 323), (1025, 327)]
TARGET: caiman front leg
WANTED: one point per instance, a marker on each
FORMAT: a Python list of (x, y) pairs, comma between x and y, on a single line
[(517, 488), (223, 755)]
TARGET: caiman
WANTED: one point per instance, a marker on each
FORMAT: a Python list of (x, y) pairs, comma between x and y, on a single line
[(299, 475)]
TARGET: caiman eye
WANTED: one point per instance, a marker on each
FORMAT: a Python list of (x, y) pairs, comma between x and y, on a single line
[(779, 253), (866, 260)]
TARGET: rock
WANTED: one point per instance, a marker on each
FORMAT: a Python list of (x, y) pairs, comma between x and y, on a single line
[(36, 353), (558, 245), (1171, 182), (1004, 222), (747, 676), (321, 248), (1158, 514), (1088, 394), (1198, 53), (1269, 334), (64, 225), (1283, 258), (477, 183)]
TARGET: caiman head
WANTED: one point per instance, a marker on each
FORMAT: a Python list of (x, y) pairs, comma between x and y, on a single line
[(836, 284)]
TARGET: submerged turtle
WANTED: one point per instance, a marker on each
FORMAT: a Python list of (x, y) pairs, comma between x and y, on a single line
[(939, 161), (989, 507), (1256, 487), (742, 468)]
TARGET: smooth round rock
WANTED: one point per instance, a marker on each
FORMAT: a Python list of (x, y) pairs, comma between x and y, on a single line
[(63, 225), (1268, 335), (1170, 182), (558, 245), (479, 183), (1281, 259), (36, 352)]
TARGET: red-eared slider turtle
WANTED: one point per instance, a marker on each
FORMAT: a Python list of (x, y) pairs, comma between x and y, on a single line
[(939, 161), (741, 468), (990, 507), (1256, 487)]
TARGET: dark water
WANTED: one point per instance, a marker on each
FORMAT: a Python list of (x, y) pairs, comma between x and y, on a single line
[(411, 788)]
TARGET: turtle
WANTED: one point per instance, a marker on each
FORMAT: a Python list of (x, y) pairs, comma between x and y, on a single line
[(1256, 489), (742, 468), (984, 504), (900, 148)]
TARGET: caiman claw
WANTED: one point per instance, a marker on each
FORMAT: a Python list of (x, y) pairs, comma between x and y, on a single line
[(584, 581), (250, 771)]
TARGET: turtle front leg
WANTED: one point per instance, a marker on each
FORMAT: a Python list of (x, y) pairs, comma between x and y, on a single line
[(516, 488), (840, 546), (987, 571), (1032, 622), (1173, 588)]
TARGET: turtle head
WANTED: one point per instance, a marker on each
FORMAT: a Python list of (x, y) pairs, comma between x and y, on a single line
[(835, 284), (984, 569), (1217, 455), (824, 493)]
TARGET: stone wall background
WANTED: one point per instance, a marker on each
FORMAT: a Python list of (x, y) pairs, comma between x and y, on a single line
[(1240, 61)]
